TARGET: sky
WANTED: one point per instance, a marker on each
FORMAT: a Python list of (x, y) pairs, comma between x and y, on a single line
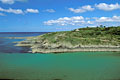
[(57, 15)]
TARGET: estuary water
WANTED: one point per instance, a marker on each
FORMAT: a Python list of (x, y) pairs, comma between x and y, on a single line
[(7, 45), (15, 63)]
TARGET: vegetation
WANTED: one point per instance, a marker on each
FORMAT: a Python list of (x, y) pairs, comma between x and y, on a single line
[(90, 36), (85, 36)]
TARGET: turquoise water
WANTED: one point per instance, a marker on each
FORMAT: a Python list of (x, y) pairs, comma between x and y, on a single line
[(67, 66), (15, 63)]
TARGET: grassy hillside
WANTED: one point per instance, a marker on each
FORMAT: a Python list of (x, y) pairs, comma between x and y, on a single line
[(84, 36), (78, 38)]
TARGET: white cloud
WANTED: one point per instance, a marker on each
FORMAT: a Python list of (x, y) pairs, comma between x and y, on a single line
[(108, 19), (19, 11), (82, 21), (32, 11), (82, 9), (76, 20), (1, 14), (10, 10), (107, 7), (101, 6), (49, 10), (90, 22), (11, 1), (7, 1)]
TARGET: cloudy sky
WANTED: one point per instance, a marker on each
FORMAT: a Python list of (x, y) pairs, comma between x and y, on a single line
[(57, 15)]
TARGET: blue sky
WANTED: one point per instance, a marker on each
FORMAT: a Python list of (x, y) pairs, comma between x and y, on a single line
[(57, 15)]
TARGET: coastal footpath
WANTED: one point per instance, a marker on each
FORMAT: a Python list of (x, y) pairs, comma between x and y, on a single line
[(82, 39)]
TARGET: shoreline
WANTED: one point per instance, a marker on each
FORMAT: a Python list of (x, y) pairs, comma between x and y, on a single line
[(82, 39), (84, 48), (16, 37), (63, 49), (73, 50)]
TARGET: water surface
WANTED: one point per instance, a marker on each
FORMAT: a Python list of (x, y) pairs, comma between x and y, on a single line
[(7, 45), (68, 66), (16, 64)]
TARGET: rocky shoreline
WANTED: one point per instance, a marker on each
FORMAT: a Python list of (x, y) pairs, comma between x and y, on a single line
[(82, 39), (73, 50), (62, 48)]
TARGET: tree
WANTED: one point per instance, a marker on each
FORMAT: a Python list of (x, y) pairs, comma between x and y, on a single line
[(104, 26), (101, 26)]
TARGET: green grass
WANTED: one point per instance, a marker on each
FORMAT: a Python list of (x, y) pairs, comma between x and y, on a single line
[(85, 36)]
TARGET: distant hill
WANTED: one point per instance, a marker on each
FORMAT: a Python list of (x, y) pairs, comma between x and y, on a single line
[(83, 38)]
